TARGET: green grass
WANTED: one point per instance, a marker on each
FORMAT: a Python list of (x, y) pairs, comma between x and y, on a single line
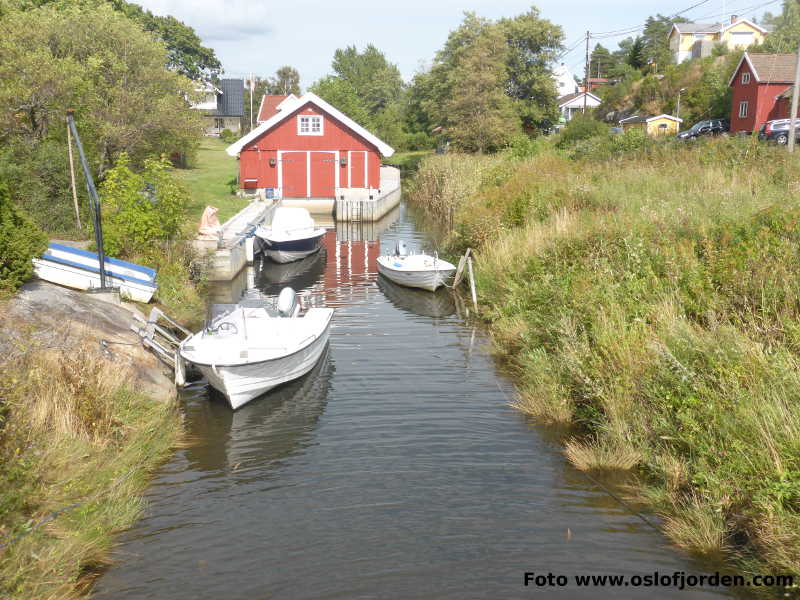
[(648, 293), (209, 181), (74, 432)]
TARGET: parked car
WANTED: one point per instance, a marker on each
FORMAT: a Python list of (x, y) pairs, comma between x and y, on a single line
[(777, 130), (707, 127)]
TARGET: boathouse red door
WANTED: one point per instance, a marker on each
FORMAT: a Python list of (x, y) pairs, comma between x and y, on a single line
[(294, 174), (358, 169), (323, 174)]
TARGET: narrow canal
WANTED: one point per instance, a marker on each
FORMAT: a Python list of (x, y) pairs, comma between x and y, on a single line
[(395, 469)]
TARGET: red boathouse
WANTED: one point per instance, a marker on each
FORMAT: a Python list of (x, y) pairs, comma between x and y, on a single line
[(306, 148)]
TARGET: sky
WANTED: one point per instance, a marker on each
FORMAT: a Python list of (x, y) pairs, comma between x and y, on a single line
[(259, 36)]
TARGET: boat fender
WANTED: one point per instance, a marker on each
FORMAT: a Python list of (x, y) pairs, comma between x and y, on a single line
[(287, 303)]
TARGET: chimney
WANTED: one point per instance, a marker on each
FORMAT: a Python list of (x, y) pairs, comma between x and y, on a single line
[(734, 18)]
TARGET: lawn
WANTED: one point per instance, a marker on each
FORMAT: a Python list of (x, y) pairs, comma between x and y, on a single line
[(209, 181)]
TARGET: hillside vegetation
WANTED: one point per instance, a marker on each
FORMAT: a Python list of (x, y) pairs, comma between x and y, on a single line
[(647, 294)]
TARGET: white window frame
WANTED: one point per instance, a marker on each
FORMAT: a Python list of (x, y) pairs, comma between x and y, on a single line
[(745, 78), (743, 107), (310, 129)]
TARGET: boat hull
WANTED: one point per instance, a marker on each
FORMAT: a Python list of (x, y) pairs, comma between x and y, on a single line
[(289, 250), (430, 280), (242, 383), (81, 279)]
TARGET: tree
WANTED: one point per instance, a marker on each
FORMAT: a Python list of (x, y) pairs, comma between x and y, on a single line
[(786, 29), (286, 81), (480, 116), (656, 40), (525, 79), (636, 56), (371, 75), (601, 61), (342, 95), (185, 52), (112, 73)]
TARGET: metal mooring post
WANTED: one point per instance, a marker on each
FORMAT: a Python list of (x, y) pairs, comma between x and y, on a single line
[(94, 200)]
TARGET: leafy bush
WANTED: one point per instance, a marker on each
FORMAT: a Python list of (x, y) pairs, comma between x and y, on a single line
[(140, 209), (20, 241), (581, 128), (523, 147), (419, 141), (228, 136)]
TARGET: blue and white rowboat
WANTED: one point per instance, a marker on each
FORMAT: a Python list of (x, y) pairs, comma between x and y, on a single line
[(80, 269)]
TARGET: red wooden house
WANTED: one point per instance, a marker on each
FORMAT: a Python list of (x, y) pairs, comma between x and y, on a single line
[(308, 149), (757, 83)]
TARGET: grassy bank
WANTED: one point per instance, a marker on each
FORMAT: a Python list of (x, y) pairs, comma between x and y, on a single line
[(211, 180), (649, 296), (74, 433)]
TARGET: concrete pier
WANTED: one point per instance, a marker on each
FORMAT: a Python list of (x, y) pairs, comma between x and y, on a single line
[(368, 205), (229, 254)]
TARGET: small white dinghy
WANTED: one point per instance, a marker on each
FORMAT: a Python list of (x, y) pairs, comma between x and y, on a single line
[(80, 269), (254, 348), (292, 235), (415, 270)]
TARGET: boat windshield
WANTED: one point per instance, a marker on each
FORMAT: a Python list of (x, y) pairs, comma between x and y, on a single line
[(291, 219)]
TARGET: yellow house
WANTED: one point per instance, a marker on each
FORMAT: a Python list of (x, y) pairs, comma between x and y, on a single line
[(695, 40), (658, 126)]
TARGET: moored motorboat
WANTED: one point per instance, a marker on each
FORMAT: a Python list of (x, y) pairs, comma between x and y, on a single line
[(255, 347), (415, 270), (80, 269), (292, 235)]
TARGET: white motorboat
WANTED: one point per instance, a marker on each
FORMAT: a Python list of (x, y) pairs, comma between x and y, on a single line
[(80, 269), (292, 235), (415, 270), (254, 347)]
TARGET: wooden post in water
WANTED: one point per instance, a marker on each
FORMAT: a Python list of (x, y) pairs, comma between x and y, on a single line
[(472, 284), (72, 178)]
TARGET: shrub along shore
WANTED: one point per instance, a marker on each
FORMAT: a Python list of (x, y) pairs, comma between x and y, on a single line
[(647, 294)]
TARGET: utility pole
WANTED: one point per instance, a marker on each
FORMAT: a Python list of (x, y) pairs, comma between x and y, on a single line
[(678, 109), (793, 113), (586, 75), (252, 87)]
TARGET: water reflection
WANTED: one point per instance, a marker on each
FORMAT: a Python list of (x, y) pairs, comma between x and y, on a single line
[(420, 302), (268, 429)]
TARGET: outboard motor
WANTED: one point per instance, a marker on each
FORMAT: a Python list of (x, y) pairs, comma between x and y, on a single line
[(400, 249), (287, 303)]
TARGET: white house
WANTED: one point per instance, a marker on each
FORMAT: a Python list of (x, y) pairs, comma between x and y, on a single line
[(573, 103), (565, 82)]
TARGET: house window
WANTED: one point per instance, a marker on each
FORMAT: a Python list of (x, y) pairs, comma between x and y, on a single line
[(743, 109), (309, 125), (219, 123), (745, 78), (699, 36)]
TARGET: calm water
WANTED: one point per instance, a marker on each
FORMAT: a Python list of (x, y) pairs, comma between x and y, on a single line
[(394, 470)]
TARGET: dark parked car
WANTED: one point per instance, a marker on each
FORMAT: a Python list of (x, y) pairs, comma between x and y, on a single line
[(707, 127), (778, 131)]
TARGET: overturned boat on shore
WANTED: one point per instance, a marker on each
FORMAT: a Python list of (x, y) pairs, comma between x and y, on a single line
[(80, 269)]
